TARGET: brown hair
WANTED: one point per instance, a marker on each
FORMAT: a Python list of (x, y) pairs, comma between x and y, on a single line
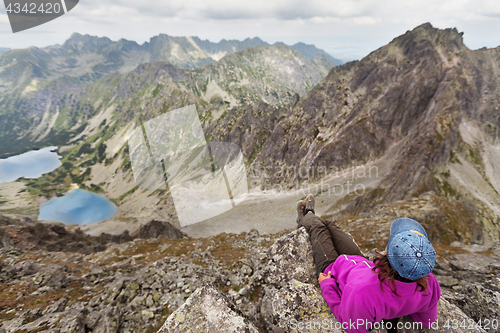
[(386, 272)]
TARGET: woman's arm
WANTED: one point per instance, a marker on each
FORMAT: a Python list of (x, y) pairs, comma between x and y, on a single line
[(330, 293), (347, 308)]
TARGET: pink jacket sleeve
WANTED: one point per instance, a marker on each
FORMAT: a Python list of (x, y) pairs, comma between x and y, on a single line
[(348, 310)]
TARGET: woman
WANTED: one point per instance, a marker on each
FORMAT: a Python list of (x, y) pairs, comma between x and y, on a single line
[(362, 293)]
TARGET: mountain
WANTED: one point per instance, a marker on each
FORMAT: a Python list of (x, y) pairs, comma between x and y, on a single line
[(41, 87), (217, 50), (85, 59), (422, 110), (3, 49), (424, 107), (267, 73), (311, 51), (411, 130), (46, 106)]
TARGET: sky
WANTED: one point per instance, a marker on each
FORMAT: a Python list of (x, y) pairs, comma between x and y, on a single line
[(347, 29)]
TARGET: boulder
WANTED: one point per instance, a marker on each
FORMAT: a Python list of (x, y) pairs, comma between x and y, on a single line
[(109, 321), (22, 268), (21, 324), (292, 258), (474, 262), (73, 320), (54, 276), (207, 310), (450, 319), (57, 306), (157, 229), (480, 302), (297, 306)]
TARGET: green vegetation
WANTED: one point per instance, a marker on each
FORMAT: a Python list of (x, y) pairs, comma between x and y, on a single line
[(439, 137), (157, 90), (124, 195), (454, 158), (255, 152), (446, 190), (476, 159)]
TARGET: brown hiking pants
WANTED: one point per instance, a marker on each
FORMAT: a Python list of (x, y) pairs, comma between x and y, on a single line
[(328, 241)]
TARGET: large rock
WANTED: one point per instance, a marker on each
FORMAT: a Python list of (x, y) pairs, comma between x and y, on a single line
[(157, 229), (474, 262), (73, 320), (23, 324), (54, 276), (292, 258), (297, 306), (450, 319), (109, 320), (480, 302), (207, 310)]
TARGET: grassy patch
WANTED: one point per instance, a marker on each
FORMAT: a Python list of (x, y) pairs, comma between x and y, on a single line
[(124, 195), (157, 90)]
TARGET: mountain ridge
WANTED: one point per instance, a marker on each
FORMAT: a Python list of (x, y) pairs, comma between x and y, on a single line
[(416, 94), (271, 73), (122, 55), (425, 99)]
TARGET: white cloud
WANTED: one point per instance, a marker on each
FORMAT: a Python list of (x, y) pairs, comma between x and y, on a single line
[(348, 29)]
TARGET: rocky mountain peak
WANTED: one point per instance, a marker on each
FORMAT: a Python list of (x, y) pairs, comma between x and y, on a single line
[(85, 42), (426, 35)]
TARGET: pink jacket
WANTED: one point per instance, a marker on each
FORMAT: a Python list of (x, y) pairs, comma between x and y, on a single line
[(356, 299)]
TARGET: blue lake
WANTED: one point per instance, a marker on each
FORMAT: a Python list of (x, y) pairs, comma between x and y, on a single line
[(78, 207), (29, 165)]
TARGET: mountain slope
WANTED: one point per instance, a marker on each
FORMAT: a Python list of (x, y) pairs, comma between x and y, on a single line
[(270, 74), (415, 98), (423, 108), (311, 51), (50, 110)]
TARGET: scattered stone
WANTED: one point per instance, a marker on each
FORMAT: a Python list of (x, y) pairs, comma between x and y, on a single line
[(207, 310), (267, 289), (447, 280), (474, 262)]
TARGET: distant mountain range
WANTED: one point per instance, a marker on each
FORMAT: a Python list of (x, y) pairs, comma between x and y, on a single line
[(88, 58), (3, 49), (39, 84)]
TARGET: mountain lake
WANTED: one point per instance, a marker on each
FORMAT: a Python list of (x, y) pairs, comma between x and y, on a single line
[(75, 207), (29, 165), (78, 207)]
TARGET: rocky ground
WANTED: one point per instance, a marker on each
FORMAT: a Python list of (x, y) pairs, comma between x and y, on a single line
[(231, 282)]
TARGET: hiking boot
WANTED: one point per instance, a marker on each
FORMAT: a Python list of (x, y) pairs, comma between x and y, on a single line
[(309, 204), (301, 206)]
